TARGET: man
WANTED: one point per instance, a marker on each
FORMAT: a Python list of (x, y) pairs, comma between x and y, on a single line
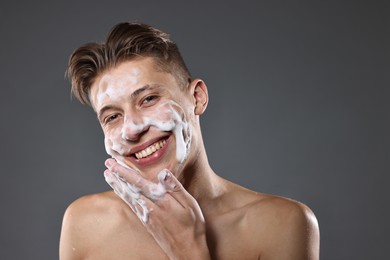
[(167, 202)]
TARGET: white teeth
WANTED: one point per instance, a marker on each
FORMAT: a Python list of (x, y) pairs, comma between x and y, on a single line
[(149, 150)]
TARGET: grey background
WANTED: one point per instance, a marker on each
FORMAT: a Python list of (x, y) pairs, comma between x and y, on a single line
[(299, 106)]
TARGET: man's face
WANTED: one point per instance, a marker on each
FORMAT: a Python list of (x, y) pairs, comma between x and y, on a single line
[(145, 116)]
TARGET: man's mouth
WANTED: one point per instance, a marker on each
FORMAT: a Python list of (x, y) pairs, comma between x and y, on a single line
[(150, 149)]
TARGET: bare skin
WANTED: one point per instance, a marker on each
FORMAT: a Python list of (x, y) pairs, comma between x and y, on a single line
[(200, 216)]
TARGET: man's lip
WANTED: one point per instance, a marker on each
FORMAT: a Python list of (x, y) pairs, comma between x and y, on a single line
[(154, 157), (145, 145)]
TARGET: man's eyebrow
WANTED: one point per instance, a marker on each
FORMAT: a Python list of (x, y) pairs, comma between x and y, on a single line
[(142, 89)]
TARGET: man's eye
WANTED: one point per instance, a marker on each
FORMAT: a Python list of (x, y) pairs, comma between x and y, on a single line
[(111, 118), (149, 100)]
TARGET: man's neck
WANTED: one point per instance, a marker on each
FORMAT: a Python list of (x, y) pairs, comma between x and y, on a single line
[(201, 182)]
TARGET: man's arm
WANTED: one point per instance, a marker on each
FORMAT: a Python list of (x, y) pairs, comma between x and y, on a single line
[(72, 234)]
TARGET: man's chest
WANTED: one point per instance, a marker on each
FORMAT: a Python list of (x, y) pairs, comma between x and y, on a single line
[(228, 245), (233, 237), (228, 237)]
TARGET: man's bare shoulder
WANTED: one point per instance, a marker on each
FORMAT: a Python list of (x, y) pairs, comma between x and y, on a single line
[(244, 199), (95, 204), (283, 224), (272, 227), (95, 210), (277, 207), (95, 220), (269, 207)]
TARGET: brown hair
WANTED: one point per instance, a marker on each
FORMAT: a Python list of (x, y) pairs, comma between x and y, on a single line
[(126, 41)]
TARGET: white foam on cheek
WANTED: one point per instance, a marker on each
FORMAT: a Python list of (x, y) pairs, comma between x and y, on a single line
[(177, 124), (114, 145), (182, 142)]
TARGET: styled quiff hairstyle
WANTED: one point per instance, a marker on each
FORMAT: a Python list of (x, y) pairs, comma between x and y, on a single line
[(126, 41)]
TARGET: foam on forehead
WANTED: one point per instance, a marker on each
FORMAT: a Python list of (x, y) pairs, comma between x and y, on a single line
[(116, 86)]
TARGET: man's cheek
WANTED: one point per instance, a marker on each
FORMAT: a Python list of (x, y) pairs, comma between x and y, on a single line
[(182, 131), (108, 145), (113, 144), (160, 114)]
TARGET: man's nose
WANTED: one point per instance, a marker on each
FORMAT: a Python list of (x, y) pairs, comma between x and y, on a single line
[(133, 129)]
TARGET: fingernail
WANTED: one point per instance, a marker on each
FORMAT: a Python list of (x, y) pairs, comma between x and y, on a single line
[(108, 163), (167, 176)]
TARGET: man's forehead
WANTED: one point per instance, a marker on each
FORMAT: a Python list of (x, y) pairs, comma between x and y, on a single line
[(115, 82), (120, 78)]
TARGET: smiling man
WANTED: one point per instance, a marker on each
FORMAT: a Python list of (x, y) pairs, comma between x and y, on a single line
[(167, 202)]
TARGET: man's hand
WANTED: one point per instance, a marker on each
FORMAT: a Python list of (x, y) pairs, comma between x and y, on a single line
[(169, 213)]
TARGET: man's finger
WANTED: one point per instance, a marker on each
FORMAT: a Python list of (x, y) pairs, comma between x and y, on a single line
[(175, 188), (152, 190), (128, 174), (128, 194)]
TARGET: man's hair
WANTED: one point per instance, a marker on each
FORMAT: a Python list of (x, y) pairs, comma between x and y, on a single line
[(126, 41)]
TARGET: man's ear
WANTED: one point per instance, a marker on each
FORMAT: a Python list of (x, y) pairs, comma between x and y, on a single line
[(201, 96)]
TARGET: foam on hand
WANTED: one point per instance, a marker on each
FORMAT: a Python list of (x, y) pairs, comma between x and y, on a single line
[(131, 194)]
